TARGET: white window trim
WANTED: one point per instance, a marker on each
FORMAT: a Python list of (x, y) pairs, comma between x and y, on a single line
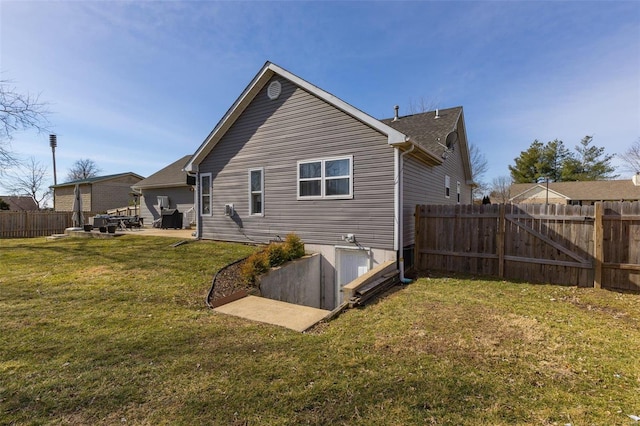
[(323, 179), (203, 175), (447, 186), (261, 170), (458, 194)]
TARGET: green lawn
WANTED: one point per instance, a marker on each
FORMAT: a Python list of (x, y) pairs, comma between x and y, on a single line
[(117, 332)]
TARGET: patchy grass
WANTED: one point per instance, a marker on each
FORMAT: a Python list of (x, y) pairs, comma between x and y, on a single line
[(116, 331)]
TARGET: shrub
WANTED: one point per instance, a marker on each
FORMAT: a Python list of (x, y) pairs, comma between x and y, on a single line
[(275, 254), (294, 247), (255, 265)]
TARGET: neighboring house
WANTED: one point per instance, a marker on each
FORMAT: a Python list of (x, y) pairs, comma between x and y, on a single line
[(576, 193), (99, 194), (166, 188), (291, 157), (20, 202)]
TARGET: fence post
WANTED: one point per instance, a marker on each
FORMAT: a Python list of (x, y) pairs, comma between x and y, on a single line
[(500, 240), (598, 246)]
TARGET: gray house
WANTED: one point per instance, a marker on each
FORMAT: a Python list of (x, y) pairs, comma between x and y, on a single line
[(166, 188), (291, 157)]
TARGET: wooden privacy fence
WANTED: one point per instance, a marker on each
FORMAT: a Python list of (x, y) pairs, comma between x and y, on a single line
[(587, 246), (28, 224)]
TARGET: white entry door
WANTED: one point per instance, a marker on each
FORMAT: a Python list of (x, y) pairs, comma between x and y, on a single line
[(350, 264)]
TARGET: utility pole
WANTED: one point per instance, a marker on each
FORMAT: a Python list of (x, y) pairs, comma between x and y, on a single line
[(53, 143)]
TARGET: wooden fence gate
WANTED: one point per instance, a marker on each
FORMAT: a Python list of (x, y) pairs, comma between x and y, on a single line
[(571, 245)]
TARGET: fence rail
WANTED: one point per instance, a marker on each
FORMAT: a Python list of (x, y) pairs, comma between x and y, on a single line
[(588, 246), (125, 211), (29, 224)]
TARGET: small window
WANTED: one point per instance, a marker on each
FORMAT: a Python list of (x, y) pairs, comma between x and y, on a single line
[(327, 178), (205, 194), (458, 190), (256, 192), (447, 187)]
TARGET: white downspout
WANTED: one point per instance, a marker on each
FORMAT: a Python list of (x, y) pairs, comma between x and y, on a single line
[(400, 208)]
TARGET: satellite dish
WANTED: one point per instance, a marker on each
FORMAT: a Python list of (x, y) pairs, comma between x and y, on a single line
[(452, 138)]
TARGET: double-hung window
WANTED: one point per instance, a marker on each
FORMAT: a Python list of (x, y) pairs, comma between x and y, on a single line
[(256, 192), (326, 178), (205, 194)]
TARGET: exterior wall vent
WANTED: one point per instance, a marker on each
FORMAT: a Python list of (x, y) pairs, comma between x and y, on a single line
[(274, 90)]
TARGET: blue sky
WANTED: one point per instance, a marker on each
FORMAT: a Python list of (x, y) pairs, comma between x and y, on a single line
[(136, 85)]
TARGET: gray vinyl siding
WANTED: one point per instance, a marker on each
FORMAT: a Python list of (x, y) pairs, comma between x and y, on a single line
[(275, 135), (180, 198), (425, 185)]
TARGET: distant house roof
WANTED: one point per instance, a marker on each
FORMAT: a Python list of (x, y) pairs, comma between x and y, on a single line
[(171, 176), (19, 202), (96, 179), (394, 136), (602, 190)]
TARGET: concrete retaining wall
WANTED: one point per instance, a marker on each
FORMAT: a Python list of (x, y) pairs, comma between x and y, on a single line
[(298, 282)]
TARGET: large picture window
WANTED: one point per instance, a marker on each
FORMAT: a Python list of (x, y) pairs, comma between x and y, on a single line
[(326, 178), (205, 194), (256, 192)]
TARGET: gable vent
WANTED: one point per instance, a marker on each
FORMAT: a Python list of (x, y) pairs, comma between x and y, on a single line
[(274, 90)]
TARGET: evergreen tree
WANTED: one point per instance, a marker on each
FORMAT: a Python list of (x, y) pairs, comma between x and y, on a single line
[(555, 162), (590, 163), (554, 156), (527, 165)]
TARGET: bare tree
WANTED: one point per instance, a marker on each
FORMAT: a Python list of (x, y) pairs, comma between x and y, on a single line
[(18, 112), (631, 158), (479, 167), (30, 179), (84, 168), (501, 189), (420, 105)]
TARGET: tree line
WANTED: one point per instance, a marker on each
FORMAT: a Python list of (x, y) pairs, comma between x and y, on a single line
[(20, 112)]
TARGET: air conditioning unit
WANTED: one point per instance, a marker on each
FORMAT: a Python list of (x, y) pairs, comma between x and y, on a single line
[(228, 210)]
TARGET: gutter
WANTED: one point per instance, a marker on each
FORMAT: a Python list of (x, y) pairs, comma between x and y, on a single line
[(400, 209)]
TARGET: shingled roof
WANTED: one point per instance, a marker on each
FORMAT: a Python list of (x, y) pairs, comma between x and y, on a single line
[(603, 190), (19, 202), (171, 176), (426, 129), (95, 179)]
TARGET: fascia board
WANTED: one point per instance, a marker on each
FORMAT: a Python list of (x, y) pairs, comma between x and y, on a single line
[(466, 159), (229, 118), (393, 136), (161, 186)]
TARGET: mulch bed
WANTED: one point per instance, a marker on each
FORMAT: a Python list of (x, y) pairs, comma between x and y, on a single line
[(229, 282)]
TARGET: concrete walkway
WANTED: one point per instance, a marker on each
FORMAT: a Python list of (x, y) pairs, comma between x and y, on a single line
[(294, 317)]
